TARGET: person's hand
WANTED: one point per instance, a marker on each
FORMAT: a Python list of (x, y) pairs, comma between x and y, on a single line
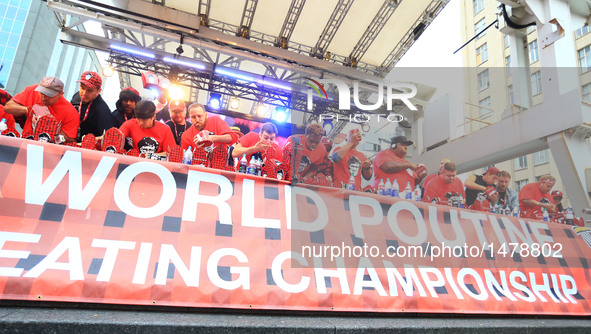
[(491, 194), (421, 170), (261, 146), (548, 206)]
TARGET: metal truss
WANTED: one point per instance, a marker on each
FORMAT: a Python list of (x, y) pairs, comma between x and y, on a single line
[(333, 24), (372, 31), (295, 9), (204, 7), (412, 34), (243, 30)]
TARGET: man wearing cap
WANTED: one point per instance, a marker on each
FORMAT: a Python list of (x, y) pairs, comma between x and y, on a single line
[(348, 161), (138, 131), (124, 107), (535, 196), (483, 185), (507, 197), (445, 188), (48, 93), (557, 200), (177, 123), (219, 131), (312, 153), (254, 142), (95, 116), (391, 163)]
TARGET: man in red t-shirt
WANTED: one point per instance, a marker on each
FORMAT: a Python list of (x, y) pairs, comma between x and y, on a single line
[(430, 177), (391, 163), (50, 94), (213, 124), (348, 161), (445, 188), (144, 133), (311, 153), (535, 196), (253, 143)]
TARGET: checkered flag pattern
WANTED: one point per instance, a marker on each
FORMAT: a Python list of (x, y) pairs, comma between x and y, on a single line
[(4, 97), (284, 169), (47, 125), (269, 170), (269, 154), (200, 157), (89, 141), (134, 152), (113, 137), (28, 134), (219, 157), (11, 132), (175, 154)]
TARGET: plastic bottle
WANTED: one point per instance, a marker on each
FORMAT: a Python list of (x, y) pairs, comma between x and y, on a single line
[(252, 167), (188, 156), (259, 166), (395, 189), (408, 191), (3, 125), (462, 206), (516, 211), (351, 184), (569, 216), (545, 215), (381, 187), (388, 188), (417, 195), (243, 164)]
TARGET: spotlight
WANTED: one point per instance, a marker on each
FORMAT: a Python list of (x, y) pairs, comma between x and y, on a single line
[(125, 49), (327, 126), (108, 71), (215, 100), (180, 50), (163, 83), (149, 79), (175, 92), (262, 110), (155, 92), (280, 115), (234, 103)]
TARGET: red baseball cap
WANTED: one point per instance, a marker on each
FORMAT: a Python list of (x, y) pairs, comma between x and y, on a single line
[(492, 170), (91, 80), (556, 193)]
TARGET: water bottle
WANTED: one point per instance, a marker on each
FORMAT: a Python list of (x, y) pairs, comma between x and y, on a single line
[(416, 195), (516, 211), (188, 156), (395, 189), (388, 188), (3, 125), (408, 191), (351, 184), (545, 215), (462, 206), (259, 167), (570, 216), (381, 187), (252, 167), (243, 164)]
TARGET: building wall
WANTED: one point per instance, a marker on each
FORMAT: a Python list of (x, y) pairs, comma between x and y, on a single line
[(500, 87)]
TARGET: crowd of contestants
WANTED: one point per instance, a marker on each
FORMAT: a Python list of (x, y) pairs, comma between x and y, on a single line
[(170, 129)]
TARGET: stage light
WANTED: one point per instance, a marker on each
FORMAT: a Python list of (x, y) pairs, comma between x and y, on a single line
[(280, 115), (215, 100), (234, 103), (175, 92), (233, 74), (149, 79), (183, 63), (155, 92), (133, 51), (327, 126), (262, 110), (163, 83), (108, 71), (274, 84)]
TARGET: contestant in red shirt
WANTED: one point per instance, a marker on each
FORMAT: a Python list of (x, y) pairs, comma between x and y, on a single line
[(144, 133), (347, 160), (219, 131), (391, 163), (49, 93), (312, 153), (445, 188), (254, 142), (535, 196)]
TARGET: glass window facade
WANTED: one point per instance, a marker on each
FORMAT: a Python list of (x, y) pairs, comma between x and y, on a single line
[(13, 14)]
